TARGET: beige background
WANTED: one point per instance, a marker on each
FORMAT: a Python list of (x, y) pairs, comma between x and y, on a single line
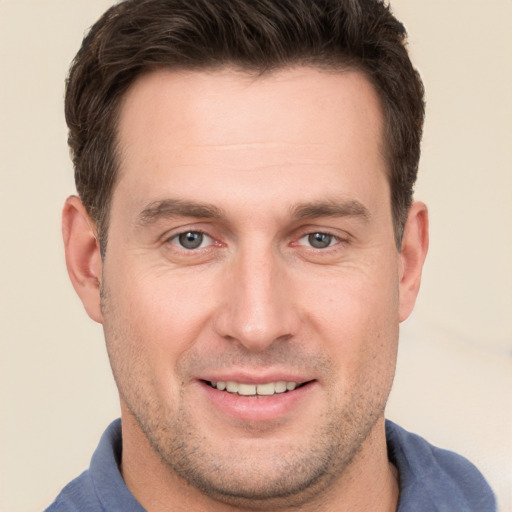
[(454, 379)]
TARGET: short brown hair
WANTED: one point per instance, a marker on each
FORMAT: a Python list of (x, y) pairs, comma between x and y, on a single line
[(137, 36)]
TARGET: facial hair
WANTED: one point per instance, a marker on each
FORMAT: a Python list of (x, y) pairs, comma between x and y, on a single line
[(259, 472)]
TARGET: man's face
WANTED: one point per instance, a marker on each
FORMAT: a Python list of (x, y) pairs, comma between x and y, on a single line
[(251, 243)]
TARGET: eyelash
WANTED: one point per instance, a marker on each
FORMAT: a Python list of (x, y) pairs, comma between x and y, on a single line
[(176, 239), (330, 236), (333, 240)]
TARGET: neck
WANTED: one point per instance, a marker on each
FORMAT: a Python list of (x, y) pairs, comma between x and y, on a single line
[(369, 483)]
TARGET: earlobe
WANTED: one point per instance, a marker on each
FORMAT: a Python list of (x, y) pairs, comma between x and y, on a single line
[(83, 259), (412, 256)]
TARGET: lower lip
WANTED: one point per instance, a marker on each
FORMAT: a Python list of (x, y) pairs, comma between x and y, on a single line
[(257, 408)]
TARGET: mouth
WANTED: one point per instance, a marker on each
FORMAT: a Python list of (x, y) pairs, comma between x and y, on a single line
[(263, 389), (258, 402)]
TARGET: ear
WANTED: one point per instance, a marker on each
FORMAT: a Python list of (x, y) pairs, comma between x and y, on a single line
[(412, 256), (83, 258)]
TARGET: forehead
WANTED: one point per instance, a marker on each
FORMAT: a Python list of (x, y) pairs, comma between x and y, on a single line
[(216, 104), (186, 127)]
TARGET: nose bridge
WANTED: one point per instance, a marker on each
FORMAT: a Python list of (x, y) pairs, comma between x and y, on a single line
[(256, 310)]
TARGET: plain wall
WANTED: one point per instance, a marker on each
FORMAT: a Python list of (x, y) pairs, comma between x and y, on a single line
[(454, 375)]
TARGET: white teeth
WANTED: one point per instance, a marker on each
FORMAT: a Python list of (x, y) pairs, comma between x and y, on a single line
[(267, 389), (280, 386), (232, 387), (246, 389)]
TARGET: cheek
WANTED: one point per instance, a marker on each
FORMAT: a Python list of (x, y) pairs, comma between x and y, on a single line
[(357, 318), (148, 326), (163, 313)]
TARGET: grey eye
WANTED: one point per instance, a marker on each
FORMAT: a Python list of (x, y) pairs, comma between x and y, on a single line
[(191, 239), (320, 240)]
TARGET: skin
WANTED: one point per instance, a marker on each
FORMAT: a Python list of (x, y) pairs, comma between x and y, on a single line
[(257, 165)]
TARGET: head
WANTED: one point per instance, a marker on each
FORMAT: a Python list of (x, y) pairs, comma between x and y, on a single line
[(252, 165), (135, 37)]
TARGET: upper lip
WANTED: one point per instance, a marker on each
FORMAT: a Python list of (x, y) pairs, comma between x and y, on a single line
[(255, 378)]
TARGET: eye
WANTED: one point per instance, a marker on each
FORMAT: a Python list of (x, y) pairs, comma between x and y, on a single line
[(192, 240), (318, 240)]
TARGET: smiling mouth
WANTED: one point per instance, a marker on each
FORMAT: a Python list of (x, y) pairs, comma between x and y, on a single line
[(265, 389)]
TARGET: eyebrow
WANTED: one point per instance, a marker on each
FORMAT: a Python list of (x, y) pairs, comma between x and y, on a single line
[(168, 208), (332, 208)]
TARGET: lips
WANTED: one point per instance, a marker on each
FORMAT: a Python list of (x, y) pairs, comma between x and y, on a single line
[(257, 399)]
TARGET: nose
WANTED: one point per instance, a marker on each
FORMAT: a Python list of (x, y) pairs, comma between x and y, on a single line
[(257, 308)]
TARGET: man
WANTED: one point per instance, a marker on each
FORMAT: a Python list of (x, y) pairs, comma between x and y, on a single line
[(246, 234)]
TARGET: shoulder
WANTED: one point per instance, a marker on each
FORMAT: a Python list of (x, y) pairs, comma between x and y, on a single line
[(100, 488), (433, 479), (77, 496)]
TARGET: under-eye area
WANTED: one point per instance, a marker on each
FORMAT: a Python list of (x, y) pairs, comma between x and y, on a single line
[(265, 389)]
